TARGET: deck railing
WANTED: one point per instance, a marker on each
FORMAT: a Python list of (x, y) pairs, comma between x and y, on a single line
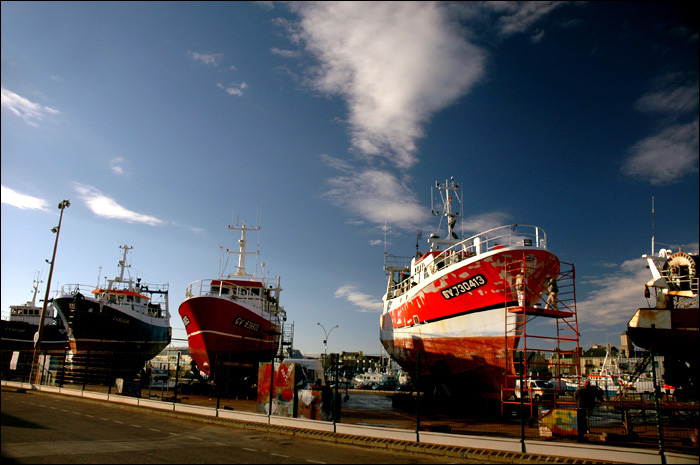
[(508, 236)]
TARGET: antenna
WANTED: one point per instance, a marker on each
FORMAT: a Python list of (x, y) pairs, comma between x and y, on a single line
[(653, 232)]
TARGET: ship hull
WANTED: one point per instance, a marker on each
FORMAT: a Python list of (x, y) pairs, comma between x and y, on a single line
[(19, 335), (668, 332), (457, 322), (125, 337), (222, 332)]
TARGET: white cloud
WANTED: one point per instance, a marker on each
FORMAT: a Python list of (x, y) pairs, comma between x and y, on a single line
[(394, 63), (29, 111), (364, 302), (233, 88), (284, 53), (520, 16), (210, 59), (378, 196), (23, 201), (665, 157), (116, 166), (669, 98), (106, 207), (617, 296), (484, 222)]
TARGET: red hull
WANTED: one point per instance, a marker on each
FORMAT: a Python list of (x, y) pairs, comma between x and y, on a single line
[(456, 320), (222, 331)]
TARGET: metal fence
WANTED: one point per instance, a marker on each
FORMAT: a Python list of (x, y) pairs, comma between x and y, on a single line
[(640, 420)]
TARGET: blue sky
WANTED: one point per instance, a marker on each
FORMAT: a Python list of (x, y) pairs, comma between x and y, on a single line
[(327, 123)]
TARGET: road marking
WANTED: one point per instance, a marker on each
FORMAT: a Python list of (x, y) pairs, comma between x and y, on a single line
[(89, 416), (278, 455), (117, 421), (156, 430), (313, 461), (195, 437), (249, 450), (136, 426), (105, 419)]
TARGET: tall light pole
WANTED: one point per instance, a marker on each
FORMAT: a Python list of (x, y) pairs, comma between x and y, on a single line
[(40, 331), (325, 341)]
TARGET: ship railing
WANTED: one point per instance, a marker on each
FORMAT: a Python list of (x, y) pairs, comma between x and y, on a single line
[(494, 239), (207, 287), (71, 289)]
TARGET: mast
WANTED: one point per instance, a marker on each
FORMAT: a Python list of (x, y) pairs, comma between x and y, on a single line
[(240, 269), (447, 212), (122, 264), (37, 281), (652, 226)]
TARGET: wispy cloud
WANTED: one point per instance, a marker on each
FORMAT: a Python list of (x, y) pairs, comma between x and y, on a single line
[(665, 157), (233, 88), (106, 207), (669, 97), (616, 297), (284, 52), (363, 302), (210, 59), (23, 201), (29, 111), (378, 196), (517, 17), (117, 166), (671, 153)]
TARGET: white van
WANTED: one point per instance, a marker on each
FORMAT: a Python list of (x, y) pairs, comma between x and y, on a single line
[(539, 389), (312, 368)]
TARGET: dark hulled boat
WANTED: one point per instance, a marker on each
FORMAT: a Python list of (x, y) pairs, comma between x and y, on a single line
[(124, 323)]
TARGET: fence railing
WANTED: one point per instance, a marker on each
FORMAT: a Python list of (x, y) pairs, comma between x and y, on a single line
[(636, 421)]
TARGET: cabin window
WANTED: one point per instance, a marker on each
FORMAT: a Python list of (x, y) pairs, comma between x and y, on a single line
[(215, 289), (255, 292), (224, 290)]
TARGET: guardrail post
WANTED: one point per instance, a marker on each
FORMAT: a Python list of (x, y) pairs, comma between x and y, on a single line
[(522, 417), (418, 397), (272, 382), (657, 392)]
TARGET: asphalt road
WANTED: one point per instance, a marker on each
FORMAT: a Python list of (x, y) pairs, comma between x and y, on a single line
[(40, 428)]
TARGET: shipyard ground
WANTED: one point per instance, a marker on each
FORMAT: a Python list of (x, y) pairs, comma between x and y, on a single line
[(459, 454)]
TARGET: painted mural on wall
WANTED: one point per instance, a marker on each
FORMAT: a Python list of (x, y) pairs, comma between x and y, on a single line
[(283, 399)]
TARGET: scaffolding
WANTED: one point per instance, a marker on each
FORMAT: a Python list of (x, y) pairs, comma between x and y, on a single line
[(286, 347), (544, 369)]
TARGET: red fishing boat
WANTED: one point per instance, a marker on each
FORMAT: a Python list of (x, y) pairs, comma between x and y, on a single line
[(447, 312), (234, 320)]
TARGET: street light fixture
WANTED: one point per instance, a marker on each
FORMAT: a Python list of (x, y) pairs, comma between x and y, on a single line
[(40, 331), (325, 341)]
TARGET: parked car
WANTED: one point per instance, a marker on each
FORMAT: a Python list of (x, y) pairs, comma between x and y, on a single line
[(540, 389)]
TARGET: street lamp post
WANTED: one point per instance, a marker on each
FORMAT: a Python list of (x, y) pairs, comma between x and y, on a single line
[(40, 331), (325, 341)]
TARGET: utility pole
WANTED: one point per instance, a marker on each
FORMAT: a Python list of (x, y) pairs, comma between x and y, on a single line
[(325, 342), (36, 372)]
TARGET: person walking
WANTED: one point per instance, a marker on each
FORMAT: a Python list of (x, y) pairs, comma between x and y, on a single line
[(586, 397)]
